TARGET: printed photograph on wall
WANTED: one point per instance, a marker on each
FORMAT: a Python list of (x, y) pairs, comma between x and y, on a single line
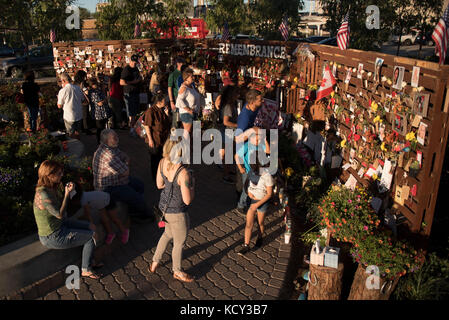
[(360, 71), (377, 66), (420, 104), (421, 133), (398, 77), (400, 124)]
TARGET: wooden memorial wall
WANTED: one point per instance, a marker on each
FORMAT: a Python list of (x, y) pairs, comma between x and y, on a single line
[(385, 120)]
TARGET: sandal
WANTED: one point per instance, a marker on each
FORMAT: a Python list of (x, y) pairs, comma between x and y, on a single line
[(91, 275), (153, 267), (182, 276)]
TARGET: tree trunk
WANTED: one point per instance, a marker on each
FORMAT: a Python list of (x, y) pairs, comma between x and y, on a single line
[(325, 283), (360, 291)]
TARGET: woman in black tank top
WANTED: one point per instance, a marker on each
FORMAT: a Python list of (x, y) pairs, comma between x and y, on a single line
[(177, 194)]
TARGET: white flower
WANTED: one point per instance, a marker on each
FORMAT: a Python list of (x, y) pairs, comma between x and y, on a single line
[(354, 69), (420, 89), (384, 78), (404, 84), (370, 74)]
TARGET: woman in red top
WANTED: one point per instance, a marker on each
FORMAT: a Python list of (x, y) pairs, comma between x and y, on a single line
[(116, 98)]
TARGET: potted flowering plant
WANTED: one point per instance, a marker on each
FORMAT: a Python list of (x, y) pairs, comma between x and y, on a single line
[(347, 214)]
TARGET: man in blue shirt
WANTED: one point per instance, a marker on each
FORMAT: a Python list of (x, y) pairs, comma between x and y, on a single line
[(245, 129)]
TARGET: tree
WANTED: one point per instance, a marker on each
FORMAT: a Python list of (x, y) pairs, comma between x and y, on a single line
[(118, 20), (234, 12), (267, 16), (173, 16), (360, 36), (33, 19), (428, 17), (404, 18)]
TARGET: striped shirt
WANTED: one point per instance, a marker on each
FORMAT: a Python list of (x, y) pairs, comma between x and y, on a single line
[(110, 167)]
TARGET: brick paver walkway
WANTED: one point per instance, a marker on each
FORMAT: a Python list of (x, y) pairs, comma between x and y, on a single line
[(210, 254)]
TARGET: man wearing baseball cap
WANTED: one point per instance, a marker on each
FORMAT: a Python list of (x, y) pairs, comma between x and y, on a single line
[(131, 80)]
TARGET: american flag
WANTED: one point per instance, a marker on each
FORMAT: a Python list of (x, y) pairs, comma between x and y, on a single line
[(283, 28), (343, 33), (52, 35), (226, 35), (137, 30), (441, 35)]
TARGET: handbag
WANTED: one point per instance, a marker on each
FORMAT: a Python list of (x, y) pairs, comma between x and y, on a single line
[(140, 130), (157, 211)]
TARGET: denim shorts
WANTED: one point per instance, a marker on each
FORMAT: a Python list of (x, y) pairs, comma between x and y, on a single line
[(263, 208), (186, 117)]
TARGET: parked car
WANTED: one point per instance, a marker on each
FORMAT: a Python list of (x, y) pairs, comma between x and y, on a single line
[(315, 39), (329, 41), (6, 51), (300, 39), (425, 40), (39, 58), (407, 39)]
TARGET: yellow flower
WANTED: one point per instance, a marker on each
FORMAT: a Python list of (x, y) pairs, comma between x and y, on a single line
[(374, 176), (289, 171), (332, 94), (374, 106), (343, 143), (377, 119), (295, 80), (382, 147), (410, 136)]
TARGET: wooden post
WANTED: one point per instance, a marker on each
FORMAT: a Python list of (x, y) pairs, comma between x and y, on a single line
[(325, 283), (360, 291)]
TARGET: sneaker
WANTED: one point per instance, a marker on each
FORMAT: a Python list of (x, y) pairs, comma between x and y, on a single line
[(259, 242), (240, 212), (125, 236), (228, 180), (109, 238), (244, 250)]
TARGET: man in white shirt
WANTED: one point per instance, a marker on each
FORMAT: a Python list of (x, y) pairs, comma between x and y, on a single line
[(70, 99)]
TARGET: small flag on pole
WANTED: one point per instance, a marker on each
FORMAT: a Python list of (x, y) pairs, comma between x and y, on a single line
[(343, 33), (137, 29), (327, 84), (283, 28), (441, 34), (52, 36), (226, 35)]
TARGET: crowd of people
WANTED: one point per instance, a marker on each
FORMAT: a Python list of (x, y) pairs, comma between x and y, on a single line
[(85, 101)]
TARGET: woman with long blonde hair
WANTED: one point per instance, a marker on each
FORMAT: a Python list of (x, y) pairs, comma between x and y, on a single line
[(177, 194), (54, 229)]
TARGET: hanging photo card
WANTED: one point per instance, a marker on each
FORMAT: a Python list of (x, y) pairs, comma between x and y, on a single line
[(127, 60), (351, 182), (421, 137), (128, 48), (76, 51), (88, 50), (99, 60), (360, 71), (419, 157), (416, 121), (108, 64), (334, 70), (69, 64), (377, 66), (415, 77), (348, 76), (55, 53), (100, 53), (208, 101), (398, 196), (398, 77), (400, 124), (110, 49), (420, 104)]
